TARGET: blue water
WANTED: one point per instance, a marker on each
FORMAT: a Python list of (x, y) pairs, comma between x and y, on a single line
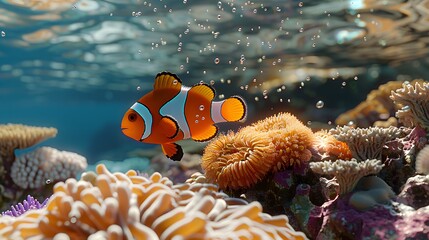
[(77, 65)]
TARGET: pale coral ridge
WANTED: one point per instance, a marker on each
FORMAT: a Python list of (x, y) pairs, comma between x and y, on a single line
[(367, 143), (128, 206), (347, 173), (413, 101)]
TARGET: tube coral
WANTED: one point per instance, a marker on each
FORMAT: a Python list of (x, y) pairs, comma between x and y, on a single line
[(238, 160), (347, 173), (128, 206), (414, 103)]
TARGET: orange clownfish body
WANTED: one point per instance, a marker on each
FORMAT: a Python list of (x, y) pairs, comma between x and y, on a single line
[(172, 112)]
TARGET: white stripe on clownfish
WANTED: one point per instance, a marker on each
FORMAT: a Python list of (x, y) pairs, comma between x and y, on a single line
[(144, 113), (216, 112), (175, 108)]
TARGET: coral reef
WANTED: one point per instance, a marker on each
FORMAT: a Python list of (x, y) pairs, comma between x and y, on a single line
[(16, 136), (414, 102), (128, 206), (46, 165), (347, 173), (367, 143), (369, 191), (330, 148), (415, 192), (422, 161), (376, 110), (27, 204)]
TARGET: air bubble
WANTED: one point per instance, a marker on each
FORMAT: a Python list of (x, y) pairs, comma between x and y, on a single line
[(256, 99), (139, 88), (196, 121), (73, 219), (221, 96), (216, 61), (355, 78), (3, 34), (174, 81), (212, 82), (320, 104), (48, 181), (300, 4), (309, 123), (343, 84), (203, 118)]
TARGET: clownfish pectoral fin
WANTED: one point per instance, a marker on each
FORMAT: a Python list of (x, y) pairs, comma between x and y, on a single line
[(204, 90), (167, 80), (169, 126), (234, 109), (173, 151), (206, 135)]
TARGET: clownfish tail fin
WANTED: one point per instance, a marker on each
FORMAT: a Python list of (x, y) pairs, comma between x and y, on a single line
[(234, 109)]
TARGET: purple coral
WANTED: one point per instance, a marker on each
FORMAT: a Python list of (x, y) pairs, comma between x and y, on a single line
[(27, 204)]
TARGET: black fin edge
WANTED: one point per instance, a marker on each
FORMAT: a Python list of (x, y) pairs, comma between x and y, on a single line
[(170, 74), (178, 155)]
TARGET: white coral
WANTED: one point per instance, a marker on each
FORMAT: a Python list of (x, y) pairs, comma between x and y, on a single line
[(45, 165), (347, 173)]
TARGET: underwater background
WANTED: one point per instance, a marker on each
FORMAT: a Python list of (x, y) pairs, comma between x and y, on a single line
[(78, 66)]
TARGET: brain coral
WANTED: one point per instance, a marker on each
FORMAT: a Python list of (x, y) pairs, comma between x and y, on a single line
[(46, 164), (413, 101), (128, 206)]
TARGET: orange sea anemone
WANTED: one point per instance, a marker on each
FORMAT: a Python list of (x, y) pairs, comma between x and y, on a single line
[(291, 138), (238, 160), (330, 147)]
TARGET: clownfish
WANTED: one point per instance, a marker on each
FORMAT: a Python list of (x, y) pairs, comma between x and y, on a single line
[(172, 112)]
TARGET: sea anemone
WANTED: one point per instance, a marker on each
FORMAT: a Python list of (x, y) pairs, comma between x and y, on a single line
[(414, 103), (238, 160), (292, 140), (128, 206), (347, 173), (330, 147)]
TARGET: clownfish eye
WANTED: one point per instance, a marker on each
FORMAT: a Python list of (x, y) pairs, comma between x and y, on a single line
[(132, 117)]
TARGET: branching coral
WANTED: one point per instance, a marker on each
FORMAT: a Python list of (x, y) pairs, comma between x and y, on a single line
[(414, 103), (330, 147), (347, 173), (128, 206), (367, 143), (376, 108), (16, 136), (46, 164), (238, 160)]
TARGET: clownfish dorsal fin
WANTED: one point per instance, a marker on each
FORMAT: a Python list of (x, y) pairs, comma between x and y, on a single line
[(204, 90), (173, 151), (169, 126), (206, 135), (167, 80)]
